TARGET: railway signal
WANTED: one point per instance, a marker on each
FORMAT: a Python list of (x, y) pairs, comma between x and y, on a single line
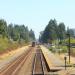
[(65, 58)]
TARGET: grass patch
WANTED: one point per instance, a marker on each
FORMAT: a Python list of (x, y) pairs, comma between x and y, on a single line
[(4, 43), (64, 49), (71, 39), (7, 45)]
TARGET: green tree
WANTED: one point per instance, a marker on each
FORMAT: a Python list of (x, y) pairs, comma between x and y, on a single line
[(10, 31), (22, 32), (41, 36), (61, 31), (3, 28), (50, 32), (71, 32), (27, 39), (32, 35), (16, 33)]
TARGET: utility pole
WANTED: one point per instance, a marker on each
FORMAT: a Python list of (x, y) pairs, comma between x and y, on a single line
[(69, 51)]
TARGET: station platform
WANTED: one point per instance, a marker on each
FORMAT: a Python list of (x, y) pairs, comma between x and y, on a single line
[(53, 61)]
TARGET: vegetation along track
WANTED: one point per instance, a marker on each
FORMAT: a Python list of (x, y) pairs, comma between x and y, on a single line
[(13, 67)]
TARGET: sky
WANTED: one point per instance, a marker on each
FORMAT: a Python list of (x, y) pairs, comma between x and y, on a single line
[(37, 13)]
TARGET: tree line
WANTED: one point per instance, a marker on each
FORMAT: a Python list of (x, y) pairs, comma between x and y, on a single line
[(15, 32), (54, 31)]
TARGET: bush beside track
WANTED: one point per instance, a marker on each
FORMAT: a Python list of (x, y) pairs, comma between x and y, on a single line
[(6, 45)]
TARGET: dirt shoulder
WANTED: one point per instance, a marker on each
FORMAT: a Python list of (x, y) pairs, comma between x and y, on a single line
[(11, 55)]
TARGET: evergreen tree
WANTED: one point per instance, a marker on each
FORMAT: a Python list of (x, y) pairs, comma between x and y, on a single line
[(50, 32), (3, 28), (32, 35), (62, 31)]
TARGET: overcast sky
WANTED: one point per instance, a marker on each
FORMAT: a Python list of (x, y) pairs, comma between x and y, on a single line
[(36, 13)]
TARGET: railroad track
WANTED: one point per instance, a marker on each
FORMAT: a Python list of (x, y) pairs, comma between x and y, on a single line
[(14, 67), (31, 62), (39, 64)]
